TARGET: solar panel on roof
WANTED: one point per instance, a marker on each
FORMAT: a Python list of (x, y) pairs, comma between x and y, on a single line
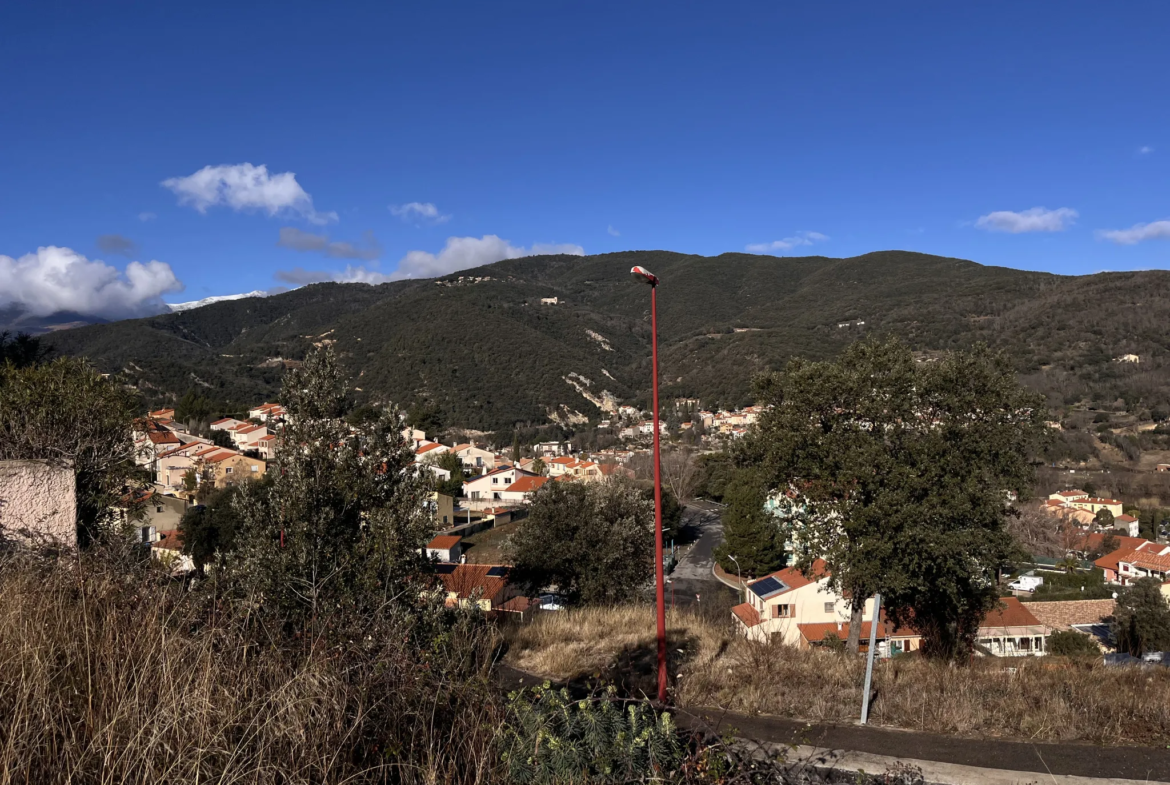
[(767, 587), (445, 569), (497, 572)]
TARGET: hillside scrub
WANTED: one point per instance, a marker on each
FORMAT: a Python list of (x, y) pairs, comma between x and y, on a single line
[(109, 675), (1052, 698)]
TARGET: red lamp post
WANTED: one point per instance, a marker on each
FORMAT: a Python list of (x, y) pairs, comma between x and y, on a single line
[(645, 276)]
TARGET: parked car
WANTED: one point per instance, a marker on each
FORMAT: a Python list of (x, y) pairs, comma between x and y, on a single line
[(1026, 583)]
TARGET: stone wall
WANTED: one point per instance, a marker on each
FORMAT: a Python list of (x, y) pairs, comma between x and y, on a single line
[(38, 503)]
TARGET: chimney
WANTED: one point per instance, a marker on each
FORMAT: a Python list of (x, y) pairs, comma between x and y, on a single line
[(838, 626)]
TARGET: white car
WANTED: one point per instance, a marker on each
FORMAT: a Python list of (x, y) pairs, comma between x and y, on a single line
[(1028, 583)]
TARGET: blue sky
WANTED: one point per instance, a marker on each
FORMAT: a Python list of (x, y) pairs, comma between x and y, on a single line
[(386, 129)]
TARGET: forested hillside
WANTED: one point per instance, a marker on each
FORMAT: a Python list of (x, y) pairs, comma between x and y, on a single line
[(481, 347)]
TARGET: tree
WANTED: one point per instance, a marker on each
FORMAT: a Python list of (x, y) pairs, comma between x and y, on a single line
[(193, 408), (750, 533), (343, 526), (1104, 519), (515, 447), (715, 470), (425, 416), (1141, 619), (593, 541), (21, 351), (538, 467), (899, 470), (680, 472), (449, 461), (222, 438), (65, 411), (210, 528), (1068, 643)]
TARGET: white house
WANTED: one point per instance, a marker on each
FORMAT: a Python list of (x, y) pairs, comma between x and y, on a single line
[(475, 458), (490, 486)]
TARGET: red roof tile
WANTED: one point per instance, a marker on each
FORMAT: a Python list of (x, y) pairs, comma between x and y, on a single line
[(526, 484), (747, 614), (444, 542), (1012, 613), (468, 579)]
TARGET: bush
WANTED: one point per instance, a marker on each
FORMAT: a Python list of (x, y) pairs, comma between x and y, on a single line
[(551, 739), (1066, 643)]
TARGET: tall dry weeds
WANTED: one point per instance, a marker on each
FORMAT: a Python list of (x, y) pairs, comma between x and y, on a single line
[(113, 676), (1032, 698)]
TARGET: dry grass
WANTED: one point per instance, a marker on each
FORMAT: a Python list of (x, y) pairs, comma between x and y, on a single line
[(103, 679), (1039, 699)]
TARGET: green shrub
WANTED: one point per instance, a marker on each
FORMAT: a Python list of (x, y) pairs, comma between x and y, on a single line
[(549, 738), (1066, 643)]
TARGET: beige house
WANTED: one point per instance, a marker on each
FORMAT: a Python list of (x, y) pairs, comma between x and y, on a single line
[(443, 508), (1012, 631), (475, 458), (779, 604), (484, 585), (228, 468), (1095, 505)]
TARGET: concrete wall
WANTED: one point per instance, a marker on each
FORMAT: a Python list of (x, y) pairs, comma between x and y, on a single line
[(38, 503)]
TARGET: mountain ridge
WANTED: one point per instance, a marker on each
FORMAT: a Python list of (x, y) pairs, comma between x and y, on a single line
[(481, 347)]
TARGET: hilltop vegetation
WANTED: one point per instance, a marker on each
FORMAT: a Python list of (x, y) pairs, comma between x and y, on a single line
[(482, 350)]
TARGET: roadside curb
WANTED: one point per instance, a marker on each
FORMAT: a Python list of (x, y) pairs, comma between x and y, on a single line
[(726, 579)]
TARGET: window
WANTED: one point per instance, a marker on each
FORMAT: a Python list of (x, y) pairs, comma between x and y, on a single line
[(495, 480), (255, 468), (227, 470), (829, 607), (780, 611)]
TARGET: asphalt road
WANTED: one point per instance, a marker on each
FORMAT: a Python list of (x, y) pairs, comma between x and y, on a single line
[(692, 579)]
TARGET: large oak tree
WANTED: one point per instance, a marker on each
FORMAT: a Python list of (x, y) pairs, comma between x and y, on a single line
[(900, 472)]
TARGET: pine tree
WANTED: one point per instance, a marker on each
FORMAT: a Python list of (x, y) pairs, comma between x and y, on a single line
[(750, 533)]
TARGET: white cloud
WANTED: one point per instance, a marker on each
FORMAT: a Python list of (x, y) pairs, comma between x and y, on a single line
[(788, 243), (1158, 230), (460, 253), (144, 217), (613, 231), (60, 279), (1145, 150), (291, 237), (245, 187), (1037, 219), (419, 212)]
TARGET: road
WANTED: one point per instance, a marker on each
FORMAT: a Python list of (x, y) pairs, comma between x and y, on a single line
[(692, 578)]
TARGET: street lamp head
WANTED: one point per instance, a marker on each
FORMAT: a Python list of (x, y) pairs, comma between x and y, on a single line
[(642, 275)]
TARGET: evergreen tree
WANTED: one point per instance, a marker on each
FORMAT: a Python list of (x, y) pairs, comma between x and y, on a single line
[(750, 533), (900, 470), (1141, 619), (341, 532), (593, 541)]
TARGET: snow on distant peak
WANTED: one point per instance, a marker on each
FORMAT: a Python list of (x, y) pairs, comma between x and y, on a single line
[(177, 307)]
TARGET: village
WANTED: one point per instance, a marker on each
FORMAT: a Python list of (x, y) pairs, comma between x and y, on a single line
[(1100, 536)]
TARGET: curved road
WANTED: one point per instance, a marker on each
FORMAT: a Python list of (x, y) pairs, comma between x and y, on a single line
[(692, 578)]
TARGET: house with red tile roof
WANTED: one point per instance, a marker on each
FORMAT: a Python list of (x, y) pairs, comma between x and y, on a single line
[(490, 487), (445, 548), (224, 468), (225, 424), (431, 449), (168, 549), (778, 604), (1111, 562), (484, 585), (1011, 630), (520, 492)]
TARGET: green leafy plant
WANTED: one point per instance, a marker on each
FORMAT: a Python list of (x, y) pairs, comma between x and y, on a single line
[(549, 738)]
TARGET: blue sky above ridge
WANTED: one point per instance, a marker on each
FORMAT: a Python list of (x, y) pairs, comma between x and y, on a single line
[(181, 153)]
